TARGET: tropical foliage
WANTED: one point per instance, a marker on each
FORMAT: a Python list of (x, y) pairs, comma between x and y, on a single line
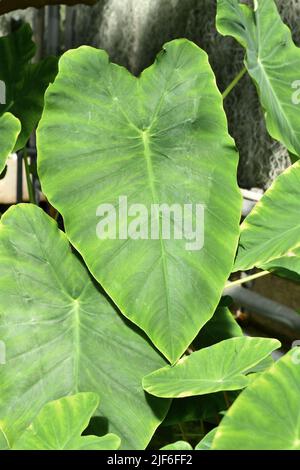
[(108, 339)]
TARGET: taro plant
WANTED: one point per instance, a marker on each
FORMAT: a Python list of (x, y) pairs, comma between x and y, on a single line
[(114, 324)]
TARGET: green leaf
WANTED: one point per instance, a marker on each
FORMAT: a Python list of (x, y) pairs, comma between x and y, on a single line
[(9, 130), (219, 367), (63, 336), (266, 414), (206, 442), (273, 62), (221, 326), (179, 445), (288, 266), (158, 139), (25, 82), (272, 229), (59, 426), (10, 5)]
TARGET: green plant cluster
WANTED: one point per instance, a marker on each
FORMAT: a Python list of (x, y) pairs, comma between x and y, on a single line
[(109, 342)]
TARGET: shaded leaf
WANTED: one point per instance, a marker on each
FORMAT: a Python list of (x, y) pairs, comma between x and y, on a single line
[(221, 326), (25, 82)]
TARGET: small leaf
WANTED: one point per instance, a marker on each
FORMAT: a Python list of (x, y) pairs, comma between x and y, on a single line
[(220, 367), (272, 229), (179, 445), (59, 426), (265, 416), (272, 60)]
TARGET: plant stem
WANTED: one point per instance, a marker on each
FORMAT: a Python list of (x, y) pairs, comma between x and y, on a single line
[(243, 280), (234, 82), (28, 179), (182, 432)]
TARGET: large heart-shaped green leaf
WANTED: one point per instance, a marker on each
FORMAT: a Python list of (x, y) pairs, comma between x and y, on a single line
[(59, 426), (63, 336), (219, 367), (9, 130), (25, 83), (10, 5), (272, 229), (266, 414), (158, 139), (272, 60)]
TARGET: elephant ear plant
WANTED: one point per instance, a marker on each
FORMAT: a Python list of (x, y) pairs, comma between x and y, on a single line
[(116, 325)]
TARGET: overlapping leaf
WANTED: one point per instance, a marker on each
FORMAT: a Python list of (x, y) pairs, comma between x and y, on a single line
[(206, 442), (272, 229), (287, 266), (9, 130), (266, 414), (59, 426), (63, 336), (25, 83), (158, 139), (272, 60), (220, 367)]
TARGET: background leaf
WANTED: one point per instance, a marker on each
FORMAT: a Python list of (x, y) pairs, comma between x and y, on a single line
[(59, 426), (161, 138), (25, 82), (266, 414), (63, 336), (221, 326), (219, 367), (272, 60), (272, 229)]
